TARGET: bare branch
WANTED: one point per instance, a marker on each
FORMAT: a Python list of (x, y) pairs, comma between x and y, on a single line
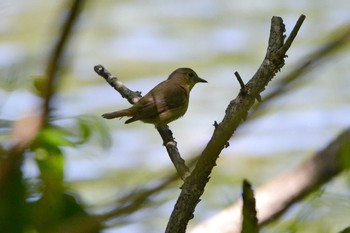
[(292, 35), (312, 60), (131, 96), (236, 111), (241, 83)]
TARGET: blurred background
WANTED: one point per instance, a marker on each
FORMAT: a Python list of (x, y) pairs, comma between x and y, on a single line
[(104, 161)]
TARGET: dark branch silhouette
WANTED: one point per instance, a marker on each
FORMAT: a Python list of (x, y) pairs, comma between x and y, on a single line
[(236, 112), (250, 220)]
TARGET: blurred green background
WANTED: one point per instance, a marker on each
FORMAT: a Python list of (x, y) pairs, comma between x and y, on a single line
[(99, 161)]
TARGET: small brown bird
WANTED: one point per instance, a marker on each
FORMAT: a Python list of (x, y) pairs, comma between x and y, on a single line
[(165, 103)]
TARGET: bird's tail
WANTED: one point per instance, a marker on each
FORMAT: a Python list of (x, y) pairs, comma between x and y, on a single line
[(121, 113)]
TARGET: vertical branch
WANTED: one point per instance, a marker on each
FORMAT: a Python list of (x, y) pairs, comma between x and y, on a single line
[(57, 53), (250, 221)]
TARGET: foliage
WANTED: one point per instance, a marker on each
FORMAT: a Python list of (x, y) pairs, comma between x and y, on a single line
[(43, 203)]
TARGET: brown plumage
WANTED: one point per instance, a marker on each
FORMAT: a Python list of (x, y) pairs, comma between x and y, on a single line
[(166, 102)]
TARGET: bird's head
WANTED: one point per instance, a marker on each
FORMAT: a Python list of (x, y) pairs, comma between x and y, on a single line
[(186, 77)]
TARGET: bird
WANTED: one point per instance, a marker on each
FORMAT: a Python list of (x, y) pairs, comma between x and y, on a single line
[(165, 103)]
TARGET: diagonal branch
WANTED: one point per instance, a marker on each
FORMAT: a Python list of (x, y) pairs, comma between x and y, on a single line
[(311, 61), (275, 197), (236, 112), (131, 96)]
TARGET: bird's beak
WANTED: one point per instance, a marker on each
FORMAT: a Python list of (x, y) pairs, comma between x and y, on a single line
[(200, 80)]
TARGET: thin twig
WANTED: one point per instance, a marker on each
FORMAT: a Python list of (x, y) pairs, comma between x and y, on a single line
[(241, 83), (133, 201), (131, 96), (292, 35)]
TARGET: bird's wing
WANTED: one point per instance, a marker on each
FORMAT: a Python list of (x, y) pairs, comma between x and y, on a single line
[(157, 102)]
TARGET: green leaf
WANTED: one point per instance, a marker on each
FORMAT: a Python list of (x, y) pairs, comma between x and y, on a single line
[(54, 136), (51, 166), (91, 126), (39, 83)]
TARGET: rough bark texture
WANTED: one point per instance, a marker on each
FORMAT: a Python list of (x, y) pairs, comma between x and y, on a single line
[(236, 112)]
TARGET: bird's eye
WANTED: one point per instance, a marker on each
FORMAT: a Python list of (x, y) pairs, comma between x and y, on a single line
[(191, 74)]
